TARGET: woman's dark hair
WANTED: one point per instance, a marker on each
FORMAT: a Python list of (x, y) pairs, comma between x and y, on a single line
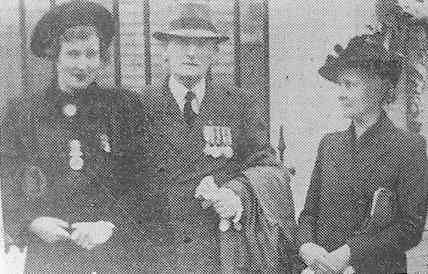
[(80, 33)]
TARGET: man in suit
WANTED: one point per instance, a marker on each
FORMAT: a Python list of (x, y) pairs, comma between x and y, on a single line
[(196, 130), (355, 165)]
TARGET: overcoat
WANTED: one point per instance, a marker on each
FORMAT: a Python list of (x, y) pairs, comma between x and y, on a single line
[(347, 173), (40, 179), (175, 234)]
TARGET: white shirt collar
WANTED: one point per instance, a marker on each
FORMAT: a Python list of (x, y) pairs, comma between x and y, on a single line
[(179, 91)]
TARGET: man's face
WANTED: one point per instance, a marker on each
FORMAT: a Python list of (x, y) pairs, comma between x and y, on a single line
[(190, 57), (359, 94), (79, 63)]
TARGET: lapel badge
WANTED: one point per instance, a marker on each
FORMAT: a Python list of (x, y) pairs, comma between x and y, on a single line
[(69, 110), (105, 143), (76, 162)]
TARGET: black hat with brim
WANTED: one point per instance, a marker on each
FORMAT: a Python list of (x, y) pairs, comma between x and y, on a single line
[(362, 51), (71, 14)]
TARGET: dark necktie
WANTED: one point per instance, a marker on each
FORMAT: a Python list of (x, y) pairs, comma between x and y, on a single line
[(189, 114)]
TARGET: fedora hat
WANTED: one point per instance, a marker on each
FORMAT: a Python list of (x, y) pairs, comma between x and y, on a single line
[(191, 19), (67, 15), (365, 51)]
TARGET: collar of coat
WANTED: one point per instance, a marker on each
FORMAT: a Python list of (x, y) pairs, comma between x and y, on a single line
[(93, 101), (159, 99), (382, 125)]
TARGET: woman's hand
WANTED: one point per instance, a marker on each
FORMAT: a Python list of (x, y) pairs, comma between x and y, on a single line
[(90, 234), (50, 229), (312, 253)]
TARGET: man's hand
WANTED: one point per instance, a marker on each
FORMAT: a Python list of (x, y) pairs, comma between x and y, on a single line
[(90, 234), (50, 229), (227, 203)]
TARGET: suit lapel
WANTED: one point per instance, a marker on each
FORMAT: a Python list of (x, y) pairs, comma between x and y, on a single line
[(168, 122)]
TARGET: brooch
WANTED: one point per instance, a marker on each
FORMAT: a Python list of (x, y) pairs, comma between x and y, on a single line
[(69, 110), (105, 144)]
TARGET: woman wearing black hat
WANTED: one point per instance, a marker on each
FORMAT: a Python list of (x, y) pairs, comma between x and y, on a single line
[(366, 201), (62, 151)]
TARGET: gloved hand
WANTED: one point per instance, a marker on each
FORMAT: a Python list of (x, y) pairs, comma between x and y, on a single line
[(227, 204), (315, 257), (90, 234), (50, 229)]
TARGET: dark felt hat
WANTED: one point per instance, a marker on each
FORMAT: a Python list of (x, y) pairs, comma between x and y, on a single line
[(365, 51), (191, 19), (70, 14)]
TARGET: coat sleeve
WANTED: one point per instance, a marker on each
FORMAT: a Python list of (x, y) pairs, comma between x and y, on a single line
[(308, 216), (407, 229), (23, 182), (253, 147), (259, 241), (128, 125)]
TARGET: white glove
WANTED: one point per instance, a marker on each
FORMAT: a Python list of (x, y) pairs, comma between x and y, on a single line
[(50, 229), (90, 234), (225, 202), (312, 253)]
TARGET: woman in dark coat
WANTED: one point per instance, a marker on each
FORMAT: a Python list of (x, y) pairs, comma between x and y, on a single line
[(65, 153), (366, 203)]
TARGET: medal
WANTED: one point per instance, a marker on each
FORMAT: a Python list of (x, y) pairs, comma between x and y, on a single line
[(216, 149), (209, 137), (227, 135), (69, 110), (74, 144), (76, 163), (224, 225), (75, 148), (208, 149), (105, 143)]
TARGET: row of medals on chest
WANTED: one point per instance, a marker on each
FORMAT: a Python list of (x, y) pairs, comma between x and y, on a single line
[(218, 141), (76, 161)]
